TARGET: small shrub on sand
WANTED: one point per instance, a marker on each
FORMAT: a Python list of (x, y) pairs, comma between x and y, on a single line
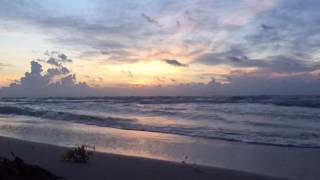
[(80, 154)]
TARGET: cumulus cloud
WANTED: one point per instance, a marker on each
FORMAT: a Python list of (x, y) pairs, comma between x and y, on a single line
[(174, 62), (57, 59), (56, 81)]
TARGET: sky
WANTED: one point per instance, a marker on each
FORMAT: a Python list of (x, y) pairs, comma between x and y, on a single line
[(159, 47)]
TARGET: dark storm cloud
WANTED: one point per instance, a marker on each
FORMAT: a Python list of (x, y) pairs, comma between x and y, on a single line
[(174, 62)]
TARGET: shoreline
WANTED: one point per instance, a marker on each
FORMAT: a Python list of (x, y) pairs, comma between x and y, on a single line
[(112, 166)]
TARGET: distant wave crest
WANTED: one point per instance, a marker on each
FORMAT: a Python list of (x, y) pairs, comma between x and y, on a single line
[(58, 115), (298, 101), (193, 131)]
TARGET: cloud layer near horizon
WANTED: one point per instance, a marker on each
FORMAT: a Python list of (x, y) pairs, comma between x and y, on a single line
[(163, 47), (58, 81)]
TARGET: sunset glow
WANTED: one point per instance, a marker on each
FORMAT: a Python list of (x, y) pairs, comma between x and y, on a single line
[(163, 44)]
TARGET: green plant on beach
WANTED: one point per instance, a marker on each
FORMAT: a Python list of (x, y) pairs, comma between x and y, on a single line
[(80, 154)]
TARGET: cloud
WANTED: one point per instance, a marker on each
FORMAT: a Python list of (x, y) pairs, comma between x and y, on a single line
[(151, 20), (266, 27), (59, 81), (36, 68), (266, 83), (174, 62), (280, 33), (128, 73), (57, 59), (68, 28), (275, 37), (237, 58), (104, 28), (56, 81), (160, 79), (241, 83), (247, 10), (5, 65)]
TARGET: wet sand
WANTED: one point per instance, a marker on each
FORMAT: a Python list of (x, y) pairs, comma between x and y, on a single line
[(110, 166)]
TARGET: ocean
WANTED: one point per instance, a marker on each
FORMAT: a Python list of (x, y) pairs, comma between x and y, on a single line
[(292, 121)]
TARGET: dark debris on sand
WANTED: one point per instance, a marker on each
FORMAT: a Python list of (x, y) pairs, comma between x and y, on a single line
[(17, 169)]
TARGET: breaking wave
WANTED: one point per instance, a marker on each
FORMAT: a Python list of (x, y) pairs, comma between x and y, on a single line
[(252, 131)]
